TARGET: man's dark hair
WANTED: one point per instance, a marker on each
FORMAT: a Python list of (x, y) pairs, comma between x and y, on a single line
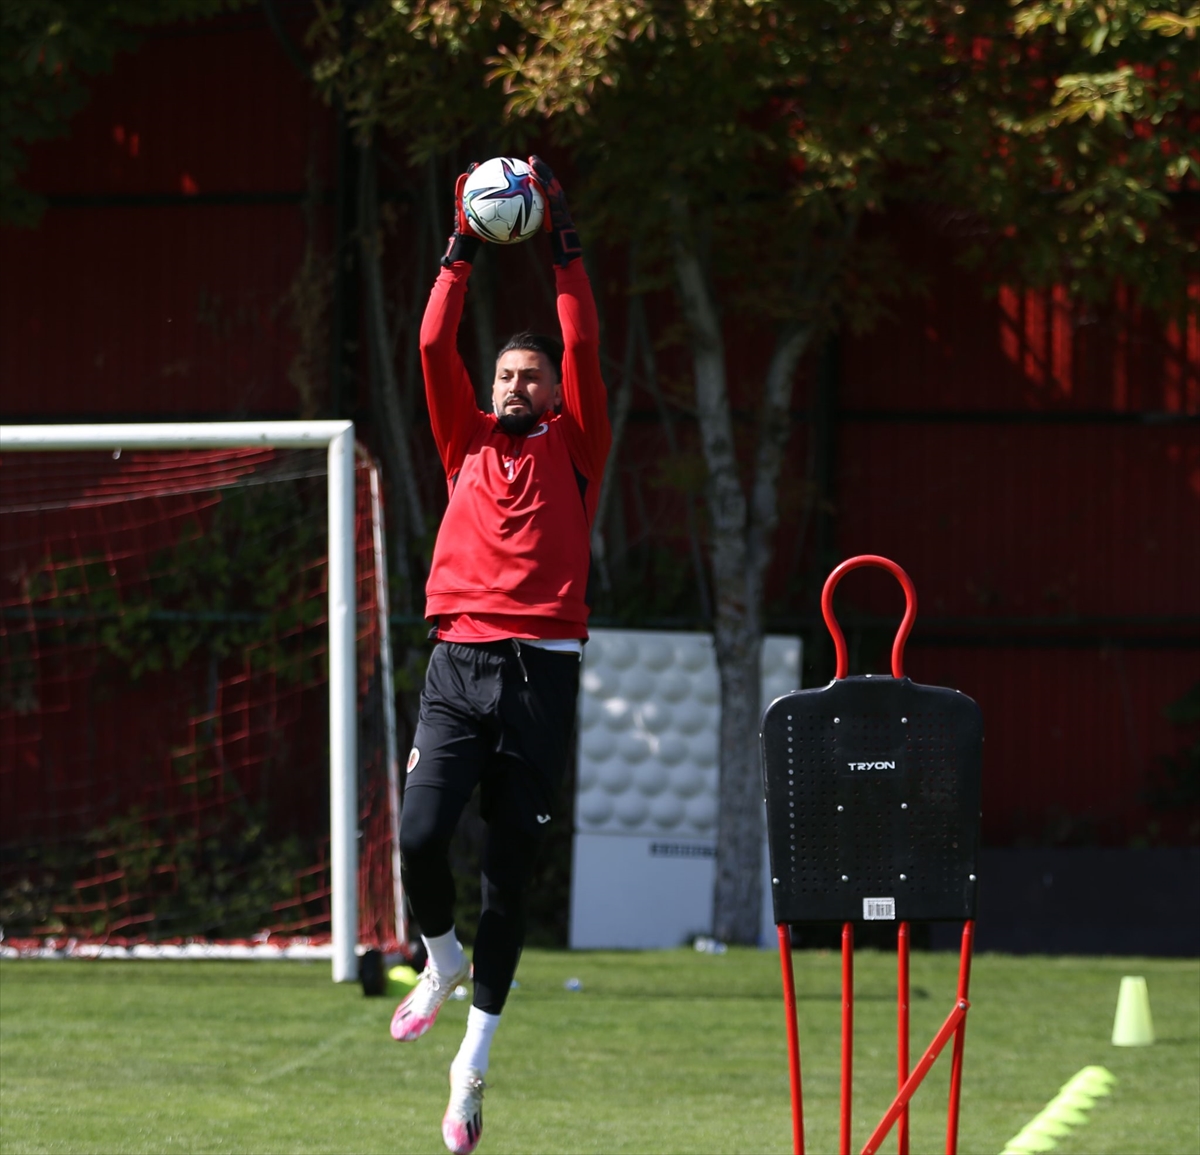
[(536, 343)]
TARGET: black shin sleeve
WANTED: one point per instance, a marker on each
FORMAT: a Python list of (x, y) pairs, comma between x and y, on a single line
[(427, 824), (507, 864)]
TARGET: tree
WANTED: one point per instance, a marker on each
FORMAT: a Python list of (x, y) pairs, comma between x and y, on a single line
[(47, 48), (740, 143), (412, 72)]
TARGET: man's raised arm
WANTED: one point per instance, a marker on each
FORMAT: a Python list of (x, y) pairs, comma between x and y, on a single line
[(449, 394), (585, 400)]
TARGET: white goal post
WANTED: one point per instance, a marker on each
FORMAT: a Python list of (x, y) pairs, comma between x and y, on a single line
[(338, 438)]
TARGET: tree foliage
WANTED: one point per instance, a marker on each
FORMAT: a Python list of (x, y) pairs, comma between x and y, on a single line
[(412, 68), (1061, 128)]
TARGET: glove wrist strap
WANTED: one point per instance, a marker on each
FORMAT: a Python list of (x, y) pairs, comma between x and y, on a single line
[(564, 243), (461, 247)]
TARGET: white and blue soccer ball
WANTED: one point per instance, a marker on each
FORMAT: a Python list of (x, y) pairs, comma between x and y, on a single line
[(503, 201)]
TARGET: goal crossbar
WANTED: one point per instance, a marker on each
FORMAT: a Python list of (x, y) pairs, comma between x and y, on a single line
[(337, 437)]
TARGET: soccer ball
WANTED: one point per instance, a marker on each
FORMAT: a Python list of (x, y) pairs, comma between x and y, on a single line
[(503, 201)]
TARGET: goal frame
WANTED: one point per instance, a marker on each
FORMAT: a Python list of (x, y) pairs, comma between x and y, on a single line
[(337, 437)]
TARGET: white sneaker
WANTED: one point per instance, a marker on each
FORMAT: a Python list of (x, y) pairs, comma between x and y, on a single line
[(416, 1014), (462, 1125)]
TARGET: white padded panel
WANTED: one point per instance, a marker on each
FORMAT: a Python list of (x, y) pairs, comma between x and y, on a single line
[(646, 795), (648, 715), (639, 892)]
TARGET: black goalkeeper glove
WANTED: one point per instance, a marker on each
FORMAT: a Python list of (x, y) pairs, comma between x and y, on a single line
[(564, 240), (464, 241)]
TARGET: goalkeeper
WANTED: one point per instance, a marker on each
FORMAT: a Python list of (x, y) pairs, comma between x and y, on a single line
[(506, 590)]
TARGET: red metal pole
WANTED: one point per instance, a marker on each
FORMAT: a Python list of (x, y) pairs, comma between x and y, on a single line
[(956, 1064), (847, 1033), (902, 1030), (953, 1020), (793, 1035)]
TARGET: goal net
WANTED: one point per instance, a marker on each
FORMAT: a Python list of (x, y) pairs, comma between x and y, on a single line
[(165, 700)]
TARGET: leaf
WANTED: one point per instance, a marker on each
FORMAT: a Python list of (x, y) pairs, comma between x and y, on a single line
[(1172, 23)]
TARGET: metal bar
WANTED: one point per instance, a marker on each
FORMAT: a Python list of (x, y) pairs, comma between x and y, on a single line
[(847, 1035), (174, 435), (902, 984), (914, 1080), (793, 1036), (132, 416), (343, 719), (956, 1066)]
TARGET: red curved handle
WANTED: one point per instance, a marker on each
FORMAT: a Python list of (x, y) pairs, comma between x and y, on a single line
[(835, 631)]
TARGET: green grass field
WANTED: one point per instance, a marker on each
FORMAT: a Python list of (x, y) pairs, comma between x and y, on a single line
[(659, 1052)]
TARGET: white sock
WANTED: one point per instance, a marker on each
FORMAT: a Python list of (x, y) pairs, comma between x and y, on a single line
[(477, 1042), (446, 954)]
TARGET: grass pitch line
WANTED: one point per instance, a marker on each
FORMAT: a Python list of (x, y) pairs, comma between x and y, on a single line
[(331, 1041), (1066, 1111)]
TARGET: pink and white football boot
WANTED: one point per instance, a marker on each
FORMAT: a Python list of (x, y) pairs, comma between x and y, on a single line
[(462, 1125), (416, 1014)]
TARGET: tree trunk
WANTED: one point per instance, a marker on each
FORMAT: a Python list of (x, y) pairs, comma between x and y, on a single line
[(742, 534), (737, 630)]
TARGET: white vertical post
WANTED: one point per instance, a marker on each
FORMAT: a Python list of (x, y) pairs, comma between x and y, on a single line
[(343, 720)]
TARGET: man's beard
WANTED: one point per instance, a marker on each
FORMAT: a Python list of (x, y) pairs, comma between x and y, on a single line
[(518, 424)]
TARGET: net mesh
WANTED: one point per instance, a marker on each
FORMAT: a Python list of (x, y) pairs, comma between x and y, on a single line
[(164, 723)]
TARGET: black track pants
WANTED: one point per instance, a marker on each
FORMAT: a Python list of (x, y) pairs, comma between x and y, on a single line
[(499, 716)]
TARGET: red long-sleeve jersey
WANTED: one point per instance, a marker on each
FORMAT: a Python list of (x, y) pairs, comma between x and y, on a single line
[(513, 551)]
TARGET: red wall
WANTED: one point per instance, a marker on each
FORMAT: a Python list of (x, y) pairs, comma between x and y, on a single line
[(1042, 487), (132, 298), (1035, 467)]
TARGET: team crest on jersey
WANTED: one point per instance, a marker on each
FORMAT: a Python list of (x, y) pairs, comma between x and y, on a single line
[(538, 431), (413, 758)]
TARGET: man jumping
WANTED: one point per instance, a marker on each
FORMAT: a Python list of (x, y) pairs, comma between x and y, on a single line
[(507, 592)]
